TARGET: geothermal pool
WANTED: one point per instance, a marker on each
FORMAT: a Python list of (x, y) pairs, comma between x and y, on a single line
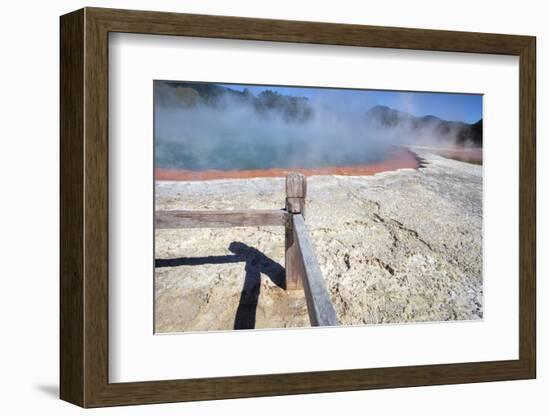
[(393, 159)]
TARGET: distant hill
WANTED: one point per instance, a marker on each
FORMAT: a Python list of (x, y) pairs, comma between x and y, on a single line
[(460, 133), (190, 94)]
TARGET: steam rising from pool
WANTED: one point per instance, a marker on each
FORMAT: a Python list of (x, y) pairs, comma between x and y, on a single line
[(201, 127)]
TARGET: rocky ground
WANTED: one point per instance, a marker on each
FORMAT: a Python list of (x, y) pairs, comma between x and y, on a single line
[(403, 246)]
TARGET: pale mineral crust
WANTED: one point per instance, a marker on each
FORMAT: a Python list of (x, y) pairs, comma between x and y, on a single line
[(396, 247)]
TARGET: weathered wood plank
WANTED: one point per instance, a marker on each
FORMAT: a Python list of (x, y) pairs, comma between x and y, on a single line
[(296, 188), (319, 306), (218, 218), (293, 264), (294, 203), (295, 185)]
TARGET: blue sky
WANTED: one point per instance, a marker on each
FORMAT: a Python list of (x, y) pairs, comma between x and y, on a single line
[(452, 107)]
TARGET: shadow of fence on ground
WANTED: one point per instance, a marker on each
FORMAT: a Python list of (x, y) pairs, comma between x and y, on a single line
[(256, 263)]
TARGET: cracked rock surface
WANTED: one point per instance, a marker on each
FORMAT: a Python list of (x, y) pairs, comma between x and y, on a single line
[(403, 246)]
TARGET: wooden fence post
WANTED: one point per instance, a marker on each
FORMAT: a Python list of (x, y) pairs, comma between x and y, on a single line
[(294, 204)]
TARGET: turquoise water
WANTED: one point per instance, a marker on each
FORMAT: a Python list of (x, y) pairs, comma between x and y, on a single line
[(231, 154), (203, 139)]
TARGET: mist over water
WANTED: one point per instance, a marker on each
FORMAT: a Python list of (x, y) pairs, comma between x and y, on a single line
[(205, 126), (235, 137)]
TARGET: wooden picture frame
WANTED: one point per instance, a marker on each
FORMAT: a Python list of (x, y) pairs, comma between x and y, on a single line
[(84, 207)]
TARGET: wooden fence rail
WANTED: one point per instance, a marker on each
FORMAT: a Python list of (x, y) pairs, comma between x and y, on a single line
[(219, 218), (319, 306), (301, 267)]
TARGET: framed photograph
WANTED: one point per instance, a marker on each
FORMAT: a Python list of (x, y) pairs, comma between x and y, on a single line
[(255, 207)]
